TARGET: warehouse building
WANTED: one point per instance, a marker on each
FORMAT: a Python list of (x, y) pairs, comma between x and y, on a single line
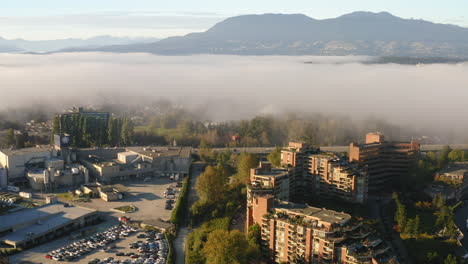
[(30, 227), (17, 161), (114, 164)]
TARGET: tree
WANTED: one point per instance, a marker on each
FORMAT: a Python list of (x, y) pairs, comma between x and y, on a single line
[(210, 184), (431, 156), (275, 157), (432, 257), (451, 259), (442, 215), (205, 151), (10, 138), (245, 162), (127, 134), (254, 239), (400, 214), (443, 157), (456, 155), (224, 247), (438, 201), (416, 227), (55, 128), (20, 141), (254, 234), (409, 227), (224, 157)]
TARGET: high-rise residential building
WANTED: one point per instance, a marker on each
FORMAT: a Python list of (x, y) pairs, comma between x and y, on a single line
[(317, 175), (266, 180), (295, 156), (385, 161), (294, 233), (335, 178)]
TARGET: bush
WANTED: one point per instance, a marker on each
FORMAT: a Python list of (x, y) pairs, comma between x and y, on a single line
[(126, 208), (170, 254)]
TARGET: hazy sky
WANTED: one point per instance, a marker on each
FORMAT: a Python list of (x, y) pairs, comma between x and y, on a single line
[(52, 19)]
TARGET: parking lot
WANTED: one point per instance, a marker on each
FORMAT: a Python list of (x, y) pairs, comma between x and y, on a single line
[(147, 197), (116, 251)]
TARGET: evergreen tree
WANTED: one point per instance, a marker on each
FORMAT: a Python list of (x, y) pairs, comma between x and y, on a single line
[(10, 138), (127, 134), (20, 141), (416, 227), (400, 214), (55, 128), (451, 259), (438, 201), (409, 227)]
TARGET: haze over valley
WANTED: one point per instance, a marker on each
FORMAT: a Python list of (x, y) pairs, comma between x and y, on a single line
[(414, 96)]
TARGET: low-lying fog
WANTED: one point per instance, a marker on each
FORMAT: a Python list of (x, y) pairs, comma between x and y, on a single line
[(233, 87)]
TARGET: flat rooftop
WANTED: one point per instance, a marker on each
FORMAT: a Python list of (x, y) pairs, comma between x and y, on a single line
[(11, 152), (50, 212), (154, 152), (272, 173), (322, 214)]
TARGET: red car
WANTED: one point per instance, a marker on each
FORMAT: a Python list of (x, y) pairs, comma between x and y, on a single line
[(48, 256)]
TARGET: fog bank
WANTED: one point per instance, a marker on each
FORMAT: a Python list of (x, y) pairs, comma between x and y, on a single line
[(234, 87)]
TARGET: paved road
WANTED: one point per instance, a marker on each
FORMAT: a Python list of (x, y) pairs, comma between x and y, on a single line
[(179, 242), (238, 220)]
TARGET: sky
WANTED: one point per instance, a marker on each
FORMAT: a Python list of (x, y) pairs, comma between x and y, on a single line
[(57, 19)]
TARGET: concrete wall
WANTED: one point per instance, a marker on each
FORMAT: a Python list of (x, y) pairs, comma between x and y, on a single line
[(3, 178), (16, 163)]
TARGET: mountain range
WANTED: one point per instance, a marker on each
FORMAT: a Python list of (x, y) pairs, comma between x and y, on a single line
[(358, 33), (21, 45)]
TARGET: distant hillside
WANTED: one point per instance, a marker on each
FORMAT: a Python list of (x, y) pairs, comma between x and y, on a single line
[(20, 45), (358, 33)]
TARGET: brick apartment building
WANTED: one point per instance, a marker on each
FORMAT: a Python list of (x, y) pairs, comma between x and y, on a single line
[(323, 176), (295, 156), (294, 233), (335, 178), (315, 174), (384, 160)]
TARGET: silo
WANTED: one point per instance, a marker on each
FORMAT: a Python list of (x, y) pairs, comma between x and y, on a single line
[(46, 177), (86, 175)]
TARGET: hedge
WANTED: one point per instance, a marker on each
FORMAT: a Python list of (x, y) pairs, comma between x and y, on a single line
[(177, 216)]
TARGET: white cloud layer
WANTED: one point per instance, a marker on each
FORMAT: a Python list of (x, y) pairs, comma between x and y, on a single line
[(230, 87)]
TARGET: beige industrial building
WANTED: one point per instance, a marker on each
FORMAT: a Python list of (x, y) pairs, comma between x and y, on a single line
[(30, 227), (17, 161), (114, 164)]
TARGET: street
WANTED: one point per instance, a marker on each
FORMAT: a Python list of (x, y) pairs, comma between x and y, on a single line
[(179, 242)]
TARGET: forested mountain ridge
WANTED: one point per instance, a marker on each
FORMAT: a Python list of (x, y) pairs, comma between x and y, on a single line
[(358, 33)]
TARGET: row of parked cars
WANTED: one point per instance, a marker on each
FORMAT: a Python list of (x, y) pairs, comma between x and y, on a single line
[(84, 246), (153, 250)]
